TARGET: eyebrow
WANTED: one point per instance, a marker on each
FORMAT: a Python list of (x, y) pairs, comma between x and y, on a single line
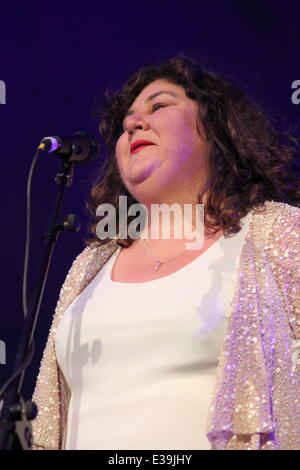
[(151, 97)]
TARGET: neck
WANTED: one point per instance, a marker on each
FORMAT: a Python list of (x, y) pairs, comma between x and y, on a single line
[(182, 224)]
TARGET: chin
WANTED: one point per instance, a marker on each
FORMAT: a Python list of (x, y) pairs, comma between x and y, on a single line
[(146, 193)]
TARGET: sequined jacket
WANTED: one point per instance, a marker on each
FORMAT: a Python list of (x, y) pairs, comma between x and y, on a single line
[(256, 400)]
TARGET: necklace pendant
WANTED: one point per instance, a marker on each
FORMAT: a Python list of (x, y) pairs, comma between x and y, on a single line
[(157, 265)]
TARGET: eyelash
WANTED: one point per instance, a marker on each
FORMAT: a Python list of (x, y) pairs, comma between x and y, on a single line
[(158, 104), (155, 104)]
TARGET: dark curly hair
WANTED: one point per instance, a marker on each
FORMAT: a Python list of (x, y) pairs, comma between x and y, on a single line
[(250, 161)]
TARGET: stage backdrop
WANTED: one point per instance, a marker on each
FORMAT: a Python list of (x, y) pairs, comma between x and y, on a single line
[(56, 57)]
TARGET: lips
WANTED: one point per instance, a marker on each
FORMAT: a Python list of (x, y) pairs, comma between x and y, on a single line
[(138, 145)]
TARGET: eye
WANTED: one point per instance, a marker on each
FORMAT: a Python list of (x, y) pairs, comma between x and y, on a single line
[(157, 104), (154, 107)]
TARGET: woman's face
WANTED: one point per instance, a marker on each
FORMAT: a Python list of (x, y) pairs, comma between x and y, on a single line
[(174, 167)]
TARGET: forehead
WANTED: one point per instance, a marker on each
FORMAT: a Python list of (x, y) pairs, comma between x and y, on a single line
[(153, 89), (159, 85)]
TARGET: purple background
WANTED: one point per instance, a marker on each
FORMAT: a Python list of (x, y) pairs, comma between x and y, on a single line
[(57, 57)]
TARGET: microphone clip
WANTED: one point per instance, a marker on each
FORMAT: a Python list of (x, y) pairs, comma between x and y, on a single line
[(80, 148)]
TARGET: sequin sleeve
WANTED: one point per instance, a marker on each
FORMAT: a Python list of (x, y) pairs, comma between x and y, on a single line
[(284, 251), (256, 401), (51, 392)]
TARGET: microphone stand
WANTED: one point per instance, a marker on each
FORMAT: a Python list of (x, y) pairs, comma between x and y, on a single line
[(15, 414)]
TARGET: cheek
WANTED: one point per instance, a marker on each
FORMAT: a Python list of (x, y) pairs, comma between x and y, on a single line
[(118, 147), (120, 154), (186, 148), (182, 129), (182, 140)]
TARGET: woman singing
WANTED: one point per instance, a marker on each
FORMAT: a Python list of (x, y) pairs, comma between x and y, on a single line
[(155, 345)]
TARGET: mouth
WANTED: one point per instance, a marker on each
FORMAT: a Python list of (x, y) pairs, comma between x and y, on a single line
[(139, 144), (137, 149)]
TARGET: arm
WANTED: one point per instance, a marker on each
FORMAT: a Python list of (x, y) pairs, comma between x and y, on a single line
[(51, 392), (284, 250)]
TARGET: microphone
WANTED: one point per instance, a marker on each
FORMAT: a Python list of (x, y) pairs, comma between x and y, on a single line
[(80, 147)]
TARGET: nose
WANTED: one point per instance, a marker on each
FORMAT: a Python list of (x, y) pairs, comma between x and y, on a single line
[(135, 121)]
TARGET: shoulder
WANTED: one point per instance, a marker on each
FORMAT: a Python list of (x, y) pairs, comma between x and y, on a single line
[(284, 240), (284, 223), (274, 236), (275, 220), (84, 267), (286, 219), (93, 253), (276, 231), (276, 211)]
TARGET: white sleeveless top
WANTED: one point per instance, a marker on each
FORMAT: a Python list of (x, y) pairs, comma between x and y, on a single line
[(140, 358)]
